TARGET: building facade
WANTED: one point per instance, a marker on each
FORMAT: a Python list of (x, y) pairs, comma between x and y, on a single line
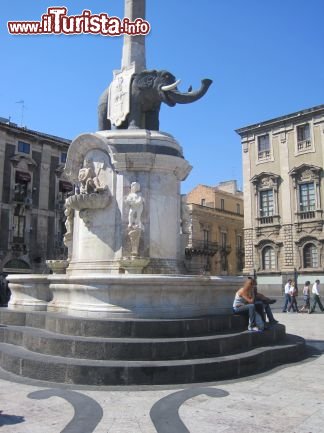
[(284, 197), (214, 242), (32, 195)]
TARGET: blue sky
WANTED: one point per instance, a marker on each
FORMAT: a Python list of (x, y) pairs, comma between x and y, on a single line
[(265, 57)]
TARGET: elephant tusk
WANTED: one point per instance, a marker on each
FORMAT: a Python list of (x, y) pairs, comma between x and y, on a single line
[(170, 86)]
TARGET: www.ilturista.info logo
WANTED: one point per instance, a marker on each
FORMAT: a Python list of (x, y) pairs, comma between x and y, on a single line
[(56, 21)]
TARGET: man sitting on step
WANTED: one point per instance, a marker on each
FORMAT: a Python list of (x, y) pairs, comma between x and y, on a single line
[(262, 306)]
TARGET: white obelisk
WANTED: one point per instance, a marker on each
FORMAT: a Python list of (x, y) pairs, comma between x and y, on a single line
[(134, 46)]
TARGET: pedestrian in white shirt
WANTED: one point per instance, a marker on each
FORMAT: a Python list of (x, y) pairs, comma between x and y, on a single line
[(287, 296), (316, 297), (293, 298)]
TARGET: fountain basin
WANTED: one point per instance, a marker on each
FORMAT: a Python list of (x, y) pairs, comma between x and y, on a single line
[(138, 296)]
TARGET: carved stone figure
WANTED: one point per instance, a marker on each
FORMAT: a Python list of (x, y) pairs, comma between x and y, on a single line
[(91, 194), (148, 89), (135, 202), (89, 180), (68, 237), (69, 213)]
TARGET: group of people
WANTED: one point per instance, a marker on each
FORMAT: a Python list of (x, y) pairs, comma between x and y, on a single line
[(255, 305), (291, 294)]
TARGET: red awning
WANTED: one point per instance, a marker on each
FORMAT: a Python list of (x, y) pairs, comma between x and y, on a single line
[(23, 176), (65, 186)]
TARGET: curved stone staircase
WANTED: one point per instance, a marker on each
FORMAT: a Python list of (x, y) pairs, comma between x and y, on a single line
[(66, 349)]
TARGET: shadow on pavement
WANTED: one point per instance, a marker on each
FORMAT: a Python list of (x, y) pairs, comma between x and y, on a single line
[(316, 345), (6, 419)]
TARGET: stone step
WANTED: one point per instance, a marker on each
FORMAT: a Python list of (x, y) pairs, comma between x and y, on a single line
[(23, 362), (43, 341), (123, 327)]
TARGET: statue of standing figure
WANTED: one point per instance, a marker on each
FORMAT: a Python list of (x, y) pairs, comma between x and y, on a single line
[(68, 236), (136, 204)]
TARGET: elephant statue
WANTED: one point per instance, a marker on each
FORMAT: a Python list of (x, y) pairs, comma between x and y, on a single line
[(147, 90)]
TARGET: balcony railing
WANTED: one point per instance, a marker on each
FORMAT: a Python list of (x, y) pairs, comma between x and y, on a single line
[(304, 145), (266, 220), (307, 215), (201, 247), (264, 154)]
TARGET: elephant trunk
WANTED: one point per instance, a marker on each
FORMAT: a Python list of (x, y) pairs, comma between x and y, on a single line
[(177, 97)]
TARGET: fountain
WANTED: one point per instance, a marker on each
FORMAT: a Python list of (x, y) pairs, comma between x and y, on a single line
[(124, 276), (123, 222)]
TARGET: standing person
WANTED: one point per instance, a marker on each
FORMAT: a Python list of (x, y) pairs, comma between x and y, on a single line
[(287, 296), (244, 304), (306, 297), (293, 298), (316, 297)]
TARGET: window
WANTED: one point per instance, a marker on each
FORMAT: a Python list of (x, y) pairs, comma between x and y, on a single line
[(303, 137), (224, 239), (266, 187), (238, 208), (266, 203), (222, 204), (63, 157), (268, 258), (307, 184), (310, 256), (23, 147), (307, 197), (206, 237), (19, 225), (239, 253), (263, 147)]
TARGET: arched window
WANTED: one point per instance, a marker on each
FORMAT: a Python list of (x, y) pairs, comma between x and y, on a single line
[(268, 258), (310, 256)]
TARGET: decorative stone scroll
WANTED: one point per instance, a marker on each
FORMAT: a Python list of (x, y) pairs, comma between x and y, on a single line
[(265, 180), (305, 173)]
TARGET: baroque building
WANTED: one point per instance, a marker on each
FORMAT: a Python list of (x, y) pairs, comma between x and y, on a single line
[(284, 197), (32, 196), (214, 228)]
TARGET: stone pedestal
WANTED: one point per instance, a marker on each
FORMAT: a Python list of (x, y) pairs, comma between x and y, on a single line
[(136, 210), (29, 291)]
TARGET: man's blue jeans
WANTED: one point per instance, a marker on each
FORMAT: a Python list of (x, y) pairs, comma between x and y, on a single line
[(287, 301)]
